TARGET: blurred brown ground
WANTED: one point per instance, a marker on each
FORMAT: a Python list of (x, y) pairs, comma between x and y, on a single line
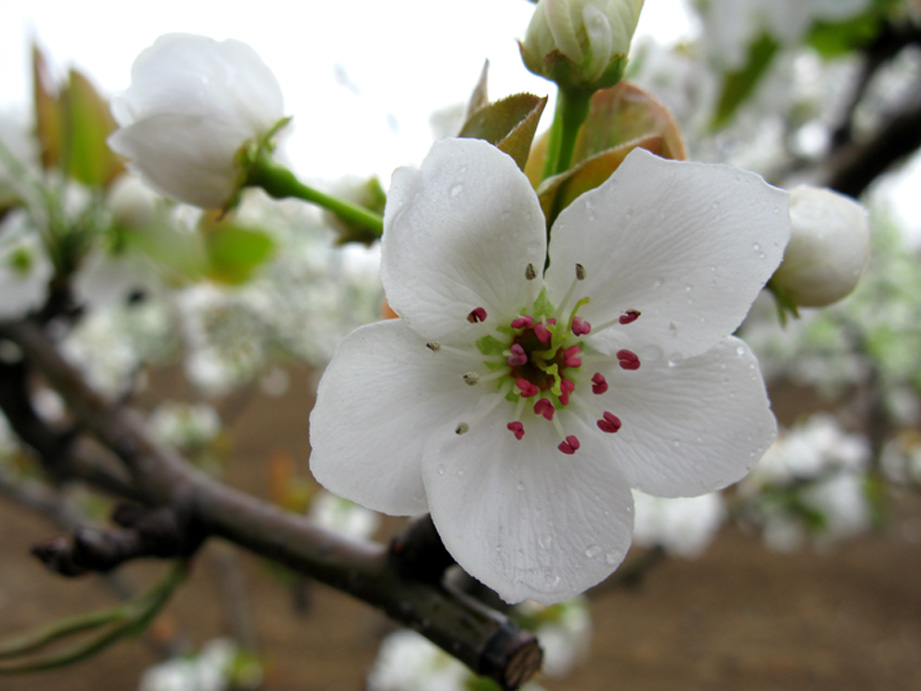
[(741, 617)]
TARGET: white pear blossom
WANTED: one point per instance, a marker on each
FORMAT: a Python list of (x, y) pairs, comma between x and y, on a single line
[(520, 406), (192, 104), (828, 249)]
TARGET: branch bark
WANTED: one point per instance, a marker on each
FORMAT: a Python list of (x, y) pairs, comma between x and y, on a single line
[(478, 636)]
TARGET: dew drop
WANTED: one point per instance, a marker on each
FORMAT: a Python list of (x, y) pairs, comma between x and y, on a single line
[(658, 283), (456, 190), (756, 247), (611, 559), (593, 551), (440, 470), (521, 487), (460, 473), (740, 350)]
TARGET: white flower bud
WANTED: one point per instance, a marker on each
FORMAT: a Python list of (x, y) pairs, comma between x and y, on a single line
[(828, 247), (192, 105), (580, 43)]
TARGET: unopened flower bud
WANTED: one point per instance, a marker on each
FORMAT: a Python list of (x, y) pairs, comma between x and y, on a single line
[(195, 105), (828, 247), (580, 44)]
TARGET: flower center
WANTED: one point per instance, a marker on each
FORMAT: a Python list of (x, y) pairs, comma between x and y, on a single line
[(540, 362)]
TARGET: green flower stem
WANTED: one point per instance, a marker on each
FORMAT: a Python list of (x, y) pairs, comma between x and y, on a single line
[(281, 183), (572, 108)]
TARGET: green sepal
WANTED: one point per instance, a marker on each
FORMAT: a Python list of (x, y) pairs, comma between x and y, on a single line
[(490, 345), (542, 306)]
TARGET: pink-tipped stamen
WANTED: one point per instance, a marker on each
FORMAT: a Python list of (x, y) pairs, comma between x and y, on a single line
[(580, 327), (570, 446), (599, 384), (609, 423), (517, 429), (629, 316), (526, 388), (523, 322), (477, 315), (628, 359), (542, 332), (518, 357), (566, 389), (572, 356), (544, 408)]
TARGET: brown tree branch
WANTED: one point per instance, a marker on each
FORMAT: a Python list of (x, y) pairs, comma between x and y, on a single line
[(856, 166), (482, 638)]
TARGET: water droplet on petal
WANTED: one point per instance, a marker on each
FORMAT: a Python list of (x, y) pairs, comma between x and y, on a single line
[(740, 350), (457, 189), (521, 487), (611, 559), (440, 470), (593, 551)]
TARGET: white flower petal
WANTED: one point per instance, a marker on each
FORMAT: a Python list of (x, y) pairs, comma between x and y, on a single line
[(692, 427), (196, 75), (459, 234), (171, 155), (689, 245), (523, 518), (380, 398)]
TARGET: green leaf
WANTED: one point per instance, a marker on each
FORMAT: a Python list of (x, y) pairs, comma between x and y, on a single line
[(738, 86), (88, 124), (619, 115), (235, 253), (626, 113), (480, 96), (558, 192), (836, 39), (48, 118), (509, 124)]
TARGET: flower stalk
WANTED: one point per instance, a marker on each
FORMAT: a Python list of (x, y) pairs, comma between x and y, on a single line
[(572, 106), (280, 183)]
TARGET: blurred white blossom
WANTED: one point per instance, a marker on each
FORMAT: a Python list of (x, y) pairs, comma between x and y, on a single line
[(192, 104), (344, 517), (208, 671), (683, 526)]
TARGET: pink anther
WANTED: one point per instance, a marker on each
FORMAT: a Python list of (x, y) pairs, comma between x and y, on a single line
[(609, 423), (629, 316), (566, 389), (477, 315), (524, 322), (599, 384), (518, 356), (580, 327), (544, 407), (628, 359), (572, 356), (542, 332), (551, 321), (516, 428), (569, 446), (527, 388)]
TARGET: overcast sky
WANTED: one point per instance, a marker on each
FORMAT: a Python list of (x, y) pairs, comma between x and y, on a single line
[(361, 78)]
